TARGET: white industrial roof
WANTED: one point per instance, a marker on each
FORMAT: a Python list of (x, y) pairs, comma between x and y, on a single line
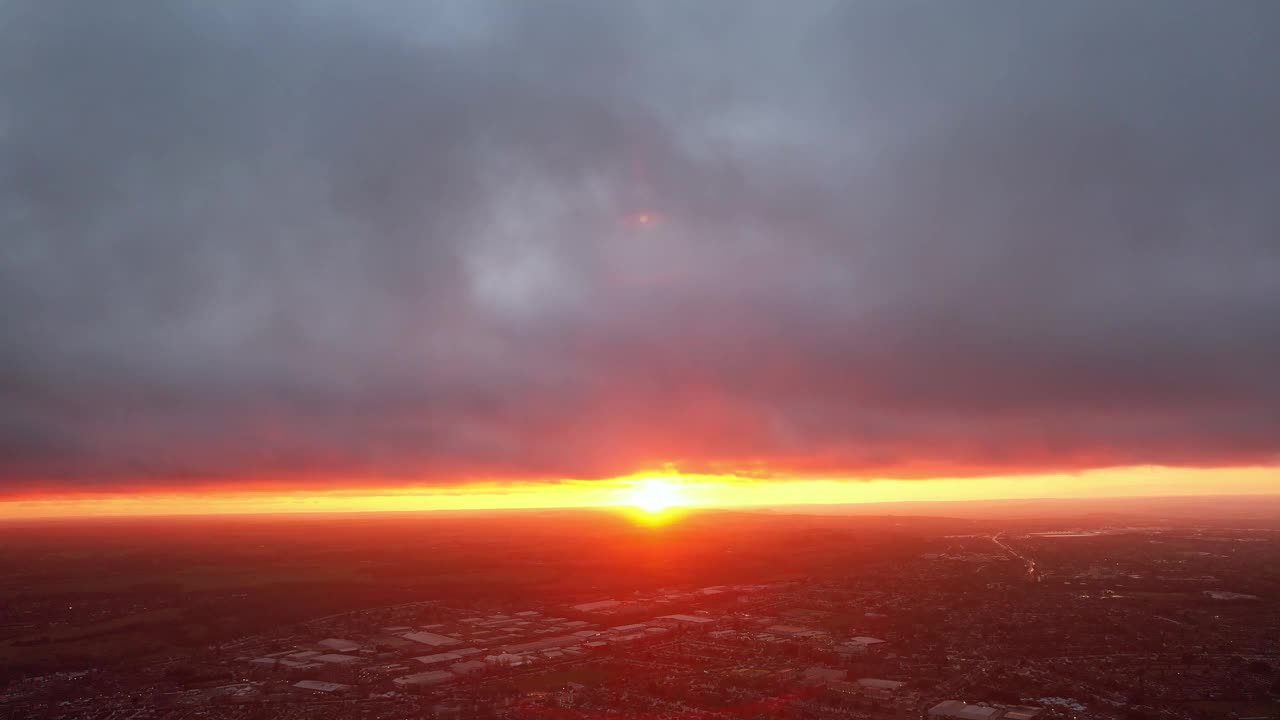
[(431, 677), (432, 639), (506, 659), (825, 674), (339, 644), (295, 664), (321, 686), (337, 658), (963, 711), (686, 618), (879, 684), (946, 708), (438, 658), (599, 605), (467, 667)]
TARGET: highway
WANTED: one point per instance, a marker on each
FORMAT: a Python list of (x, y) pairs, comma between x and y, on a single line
[(1033, 574)]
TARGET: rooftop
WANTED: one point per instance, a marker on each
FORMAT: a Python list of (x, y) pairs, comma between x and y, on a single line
[(339, 644), (337, 659), (431, 677), (321, 686), (438, 658), (680, 617), (963, 711), (878, 684), (545, 644), (598, 605), (864, 640), (432, 639)]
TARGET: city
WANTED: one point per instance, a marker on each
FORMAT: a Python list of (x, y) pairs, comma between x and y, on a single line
[(866, 617)]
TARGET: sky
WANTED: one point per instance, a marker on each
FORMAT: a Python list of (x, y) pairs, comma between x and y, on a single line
[(324, 247)]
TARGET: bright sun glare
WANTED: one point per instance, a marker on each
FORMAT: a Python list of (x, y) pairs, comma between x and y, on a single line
[(654, 495)]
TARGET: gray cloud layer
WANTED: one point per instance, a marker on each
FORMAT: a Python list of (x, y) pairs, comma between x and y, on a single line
[(329, 242)]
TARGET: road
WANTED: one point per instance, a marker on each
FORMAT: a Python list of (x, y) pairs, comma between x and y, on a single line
[(1033, 574)]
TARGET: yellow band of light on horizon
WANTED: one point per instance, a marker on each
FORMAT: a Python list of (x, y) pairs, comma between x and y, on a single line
[(694, 490)]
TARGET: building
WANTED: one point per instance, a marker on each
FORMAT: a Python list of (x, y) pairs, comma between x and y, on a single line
[(431, 677), (550, 643), (285, 663), (468, 667), (958, 710), (818, 675), (445, 658), (857, 646), (866, 641), (597, 606), (321, 686), (686, 620), (432, 639), (876, 687), (336, 659), (451, 710), (506, 660), (339, 644)]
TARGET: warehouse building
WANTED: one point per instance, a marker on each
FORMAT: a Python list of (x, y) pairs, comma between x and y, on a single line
[(439, 659), (339, 644), (432, 639), (597, 606), (550, 643), (958, 710), (321, 686), (431, 677)]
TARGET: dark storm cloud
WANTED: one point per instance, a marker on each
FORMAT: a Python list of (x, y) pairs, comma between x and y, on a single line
[(384, 242)]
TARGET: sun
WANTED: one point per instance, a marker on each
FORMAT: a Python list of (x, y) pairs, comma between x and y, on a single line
[(653, 495)]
